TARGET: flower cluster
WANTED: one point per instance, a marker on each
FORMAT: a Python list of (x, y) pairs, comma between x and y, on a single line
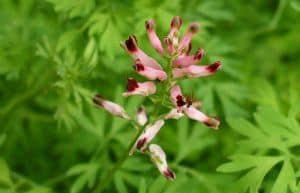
[(180, 64)]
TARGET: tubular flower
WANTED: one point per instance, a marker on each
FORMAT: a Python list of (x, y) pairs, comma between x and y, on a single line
[(131, 46), (187, 60), (159, 157), (149, 133), (136, 88), (141, 116), (154, 40), (194, 71), (162, 87), (109, 106), (186, 107), (148, 72), (187, 38)]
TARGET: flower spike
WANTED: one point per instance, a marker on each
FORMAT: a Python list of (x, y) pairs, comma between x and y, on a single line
[(136, 88), (159, 157), (154, 40), (109, 106), (146, 137)]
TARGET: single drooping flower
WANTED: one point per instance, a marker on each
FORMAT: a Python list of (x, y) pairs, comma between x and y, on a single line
[(109, 106), (163, 85), (148, 134), (159, 157), (141, 116)]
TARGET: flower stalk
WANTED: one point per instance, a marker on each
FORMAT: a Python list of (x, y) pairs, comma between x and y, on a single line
[(163, 89)]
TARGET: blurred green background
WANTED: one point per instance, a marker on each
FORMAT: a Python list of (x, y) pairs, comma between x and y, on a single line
[(55, 54)]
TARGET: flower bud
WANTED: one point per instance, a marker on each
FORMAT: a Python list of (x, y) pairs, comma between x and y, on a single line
[(159, 157), (141, 116), (109, 106)]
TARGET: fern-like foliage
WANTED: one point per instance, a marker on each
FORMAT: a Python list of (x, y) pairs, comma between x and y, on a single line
[(268, 154)]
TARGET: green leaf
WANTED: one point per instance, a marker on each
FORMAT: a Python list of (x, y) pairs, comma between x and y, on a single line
[(5, 178)]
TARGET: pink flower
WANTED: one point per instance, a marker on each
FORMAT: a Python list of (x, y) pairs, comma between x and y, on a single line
[(146, 137), (149, 72), (169, 45), (186, 40), (197, 115), (111, 107), (187, 60), (174, 114), (154, 40), (131, 46), (186, 107), (159, 157), (136, 88), (195, 71), (141, 116), (177, 98), (175, 26)]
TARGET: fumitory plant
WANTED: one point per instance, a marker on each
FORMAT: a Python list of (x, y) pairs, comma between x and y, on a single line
[(162, 89)]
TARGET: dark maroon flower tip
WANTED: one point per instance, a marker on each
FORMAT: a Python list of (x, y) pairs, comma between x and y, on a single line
[(132, 84), (179, 101), (169, 174), (140, 109), (149, 25), (199, 54), (141, 143), (97, 100), (212, 122), (176, 22), (139, 67), (131, 44), (214, 67), (194, 27)]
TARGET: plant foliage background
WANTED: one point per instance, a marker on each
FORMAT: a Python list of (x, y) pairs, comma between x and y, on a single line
[(55, 54)]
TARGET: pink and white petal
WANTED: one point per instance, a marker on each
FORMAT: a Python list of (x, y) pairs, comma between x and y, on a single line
[(109, 106), (184, 61), (174, 114), (146, 137), (176, 23), (159, 158), (141, 116), (131, 46), (136, 88), (154, 40), (197, 115), (148, 72), (187, 38), (195, 71), (169, 45)]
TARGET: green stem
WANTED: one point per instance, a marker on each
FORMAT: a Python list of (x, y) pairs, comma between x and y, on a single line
[(109, 175)]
